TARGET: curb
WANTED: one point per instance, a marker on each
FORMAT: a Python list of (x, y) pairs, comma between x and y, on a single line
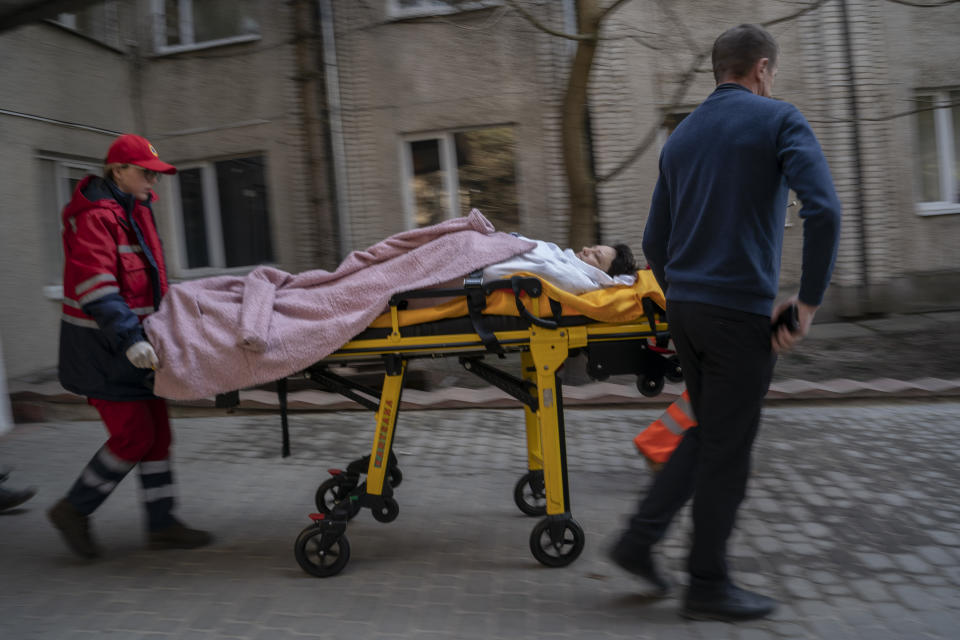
[(38, 406)]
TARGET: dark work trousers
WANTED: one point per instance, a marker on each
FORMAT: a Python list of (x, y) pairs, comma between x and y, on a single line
[(727, 364)]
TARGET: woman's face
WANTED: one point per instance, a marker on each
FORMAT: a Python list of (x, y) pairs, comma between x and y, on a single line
[(135, 180), (600, 256)]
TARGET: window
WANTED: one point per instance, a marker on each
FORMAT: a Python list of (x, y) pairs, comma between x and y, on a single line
[(224, 219), (938, 140), (447, 174), (98, 21), (60, 177), (190, 24), (413, 8), (669, 123)]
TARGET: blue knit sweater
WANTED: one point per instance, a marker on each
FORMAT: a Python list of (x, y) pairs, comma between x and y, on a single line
[(715, 229)]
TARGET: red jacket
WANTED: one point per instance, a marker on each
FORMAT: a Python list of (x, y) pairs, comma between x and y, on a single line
[(113, 277)]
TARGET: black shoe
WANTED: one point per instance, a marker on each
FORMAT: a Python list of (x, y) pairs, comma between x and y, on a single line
[(10, 498), (178, 536), (727, 603), (75, 528), (640, 563)]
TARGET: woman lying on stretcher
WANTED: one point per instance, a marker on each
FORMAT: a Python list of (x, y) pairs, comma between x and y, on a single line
[(590, 268)]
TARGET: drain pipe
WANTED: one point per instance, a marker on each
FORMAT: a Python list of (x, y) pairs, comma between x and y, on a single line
[(858, 160), (332, 75)]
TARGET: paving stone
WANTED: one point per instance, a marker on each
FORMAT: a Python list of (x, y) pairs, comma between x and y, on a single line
[(800, 588), (456, 561), (871, 590)]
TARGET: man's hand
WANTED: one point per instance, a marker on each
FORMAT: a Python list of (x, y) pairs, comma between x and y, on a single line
[(782, 339), (142, 355)]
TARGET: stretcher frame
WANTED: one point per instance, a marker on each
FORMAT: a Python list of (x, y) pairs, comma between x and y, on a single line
[(544, 344)]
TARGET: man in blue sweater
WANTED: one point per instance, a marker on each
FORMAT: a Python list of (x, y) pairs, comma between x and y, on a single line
[(714, 237)]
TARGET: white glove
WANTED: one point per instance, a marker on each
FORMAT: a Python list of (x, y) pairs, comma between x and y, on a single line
[(142, 355)]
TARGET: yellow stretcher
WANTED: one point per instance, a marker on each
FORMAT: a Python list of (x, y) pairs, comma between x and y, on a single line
[(620, 329)]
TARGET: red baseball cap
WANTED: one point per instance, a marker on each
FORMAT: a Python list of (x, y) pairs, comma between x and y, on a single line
[(132, 149)]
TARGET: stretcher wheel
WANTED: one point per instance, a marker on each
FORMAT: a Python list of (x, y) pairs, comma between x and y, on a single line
[(394, 476), (320, 556), (674, 371), (649, 386), (530, 494), (332, 492), (387, 512), (555, 542)]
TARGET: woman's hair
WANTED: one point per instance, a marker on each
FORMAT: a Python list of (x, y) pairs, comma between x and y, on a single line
[(108, 168), (623, 262)]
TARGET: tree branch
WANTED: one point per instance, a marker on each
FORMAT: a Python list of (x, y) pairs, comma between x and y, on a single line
[(616, 5), (811, 7), (892, 116), (685, 80), (672, 15), (532, 19)]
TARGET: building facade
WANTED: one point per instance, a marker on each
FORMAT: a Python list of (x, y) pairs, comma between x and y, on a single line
[(310, 128)]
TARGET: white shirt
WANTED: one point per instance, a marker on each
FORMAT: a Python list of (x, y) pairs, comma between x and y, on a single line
[(560, 267)]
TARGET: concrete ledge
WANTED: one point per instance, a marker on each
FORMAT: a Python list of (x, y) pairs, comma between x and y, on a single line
[(38, 407)]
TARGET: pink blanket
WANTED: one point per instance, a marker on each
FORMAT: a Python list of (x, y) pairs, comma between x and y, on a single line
[(230, 332)]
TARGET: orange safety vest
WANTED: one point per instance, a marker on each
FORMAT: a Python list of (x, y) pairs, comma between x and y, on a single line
[(658, 440)]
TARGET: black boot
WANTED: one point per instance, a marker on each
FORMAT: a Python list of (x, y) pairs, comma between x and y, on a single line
[(75, 528), (10, 498), (639, 562), (726, 602), (178, 536)]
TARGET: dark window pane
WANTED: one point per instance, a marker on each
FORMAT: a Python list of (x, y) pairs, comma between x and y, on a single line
[(171, 19), (429, 195), (243, 212), (194, 222), (671, 120), (217, 19), (929, 159), (955, 101), (487, 175)]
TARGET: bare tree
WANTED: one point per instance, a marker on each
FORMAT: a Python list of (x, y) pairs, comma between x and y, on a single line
[(582, 181)]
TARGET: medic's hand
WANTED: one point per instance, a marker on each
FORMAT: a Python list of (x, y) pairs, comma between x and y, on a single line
[(782, 338), (142, 355)]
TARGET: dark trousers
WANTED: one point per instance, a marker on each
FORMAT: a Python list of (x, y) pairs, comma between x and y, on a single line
[(727, 365)]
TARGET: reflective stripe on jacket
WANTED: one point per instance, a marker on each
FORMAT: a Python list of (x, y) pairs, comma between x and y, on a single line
[(658, 440), (113, 277)]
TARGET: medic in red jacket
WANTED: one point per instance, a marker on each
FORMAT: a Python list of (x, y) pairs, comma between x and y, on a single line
[(113, 277)]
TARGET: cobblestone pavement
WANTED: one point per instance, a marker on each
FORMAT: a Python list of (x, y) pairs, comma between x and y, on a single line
[(853, 523)]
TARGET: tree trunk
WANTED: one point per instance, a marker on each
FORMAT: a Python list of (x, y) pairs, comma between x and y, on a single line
[(577, 160)]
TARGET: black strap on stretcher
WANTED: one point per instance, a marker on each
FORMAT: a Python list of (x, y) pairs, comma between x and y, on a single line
[(476, 291)]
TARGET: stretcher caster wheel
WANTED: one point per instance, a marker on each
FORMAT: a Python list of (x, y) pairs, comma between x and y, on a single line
[(650, 387), (334, 491), (530, 494), (394, 477), (322, 554), (387, 511), (556, 542), (674, 371)]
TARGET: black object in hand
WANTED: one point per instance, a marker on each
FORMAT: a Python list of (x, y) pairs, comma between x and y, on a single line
[(789, 318)]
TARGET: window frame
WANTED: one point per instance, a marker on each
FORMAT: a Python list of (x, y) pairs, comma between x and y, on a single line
[(946, 154), (427, 8), (451, 181), (449, 167), (185, 20), (212, 219), (62, 195)]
